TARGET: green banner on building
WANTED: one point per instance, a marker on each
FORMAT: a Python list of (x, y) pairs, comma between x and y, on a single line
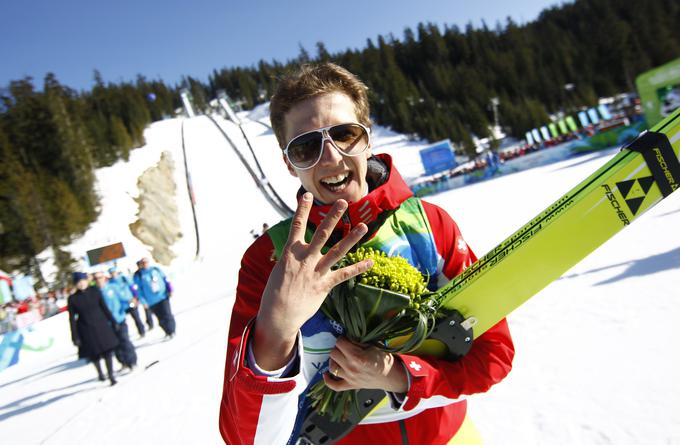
[(659, 91)]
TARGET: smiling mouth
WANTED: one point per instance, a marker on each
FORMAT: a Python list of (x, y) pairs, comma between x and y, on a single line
[(337, 182)]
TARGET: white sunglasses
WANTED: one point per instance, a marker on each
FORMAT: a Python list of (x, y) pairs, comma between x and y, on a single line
[(305, 150)]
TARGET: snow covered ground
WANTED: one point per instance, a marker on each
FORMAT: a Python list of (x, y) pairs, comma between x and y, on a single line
[(596, 359)]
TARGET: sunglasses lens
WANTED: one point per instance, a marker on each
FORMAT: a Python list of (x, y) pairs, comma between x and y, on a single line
[(303, 151), (351, 139)]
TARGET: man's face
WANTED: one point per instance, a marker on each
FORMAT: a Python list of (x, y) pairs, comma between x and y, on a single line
[(335, 176), (100, 279), (143, 263), (83, 284)]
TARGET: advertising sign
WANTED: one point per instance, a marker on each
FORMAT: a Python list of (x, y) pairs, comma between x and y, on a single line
[(105, 254), (438, 157), (659, 91)]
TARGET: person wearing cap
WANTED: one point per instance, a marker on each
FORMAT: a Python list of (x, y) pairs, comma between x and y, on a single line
[(118, 301), (92, 325), (154, 292), (148, 315), (126, 287)]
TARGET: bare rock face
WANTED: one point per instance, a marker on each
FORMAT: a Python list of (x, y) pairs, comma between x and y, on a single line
[(157, 225)]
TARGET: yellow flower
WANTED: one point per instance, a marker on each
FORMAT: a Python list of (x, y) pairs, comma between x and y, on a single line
[(392, 273)]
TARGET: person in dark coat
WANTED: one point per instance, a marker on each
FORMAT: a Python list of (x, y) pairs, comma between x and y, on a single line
[(92, 325)]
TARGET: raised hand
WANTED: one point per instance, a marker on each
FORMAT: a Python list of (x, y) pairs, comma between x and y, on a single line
[(300, 281)]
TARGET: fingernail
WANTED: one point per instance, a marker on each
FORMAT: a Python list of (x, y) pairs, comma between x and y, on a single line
[(369, 264), (307, 196)]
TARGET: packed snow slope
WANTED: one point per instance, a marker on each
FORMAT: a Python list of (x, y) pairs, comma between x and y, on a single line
[(596, 350)]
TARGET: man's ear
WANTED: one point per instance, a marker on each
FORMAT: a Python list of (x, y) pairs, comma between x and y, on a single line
[(291, 170), (369, 150)]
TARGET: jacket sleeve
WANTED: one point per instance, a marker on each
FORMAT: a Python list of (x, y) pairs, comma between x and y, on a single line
[(137, 280), (255, 409), (166, 282), (490, 358), (132, 285), (124, 294), (73, 321), (104, 307)]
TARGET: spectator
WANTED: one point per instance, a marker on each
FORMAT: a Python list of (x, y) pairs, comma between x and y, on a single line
[(117, 301), (155, 292), (128, 288), (147, 313), (92, 325), (50, 306), (7, 318)]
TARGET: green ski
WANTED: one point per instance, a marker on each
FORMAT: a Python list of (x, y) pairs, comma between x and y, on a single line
[(634, 180)]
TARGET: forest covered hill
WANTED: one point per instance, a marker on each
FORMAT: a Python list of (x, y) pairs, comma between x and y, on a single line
[(434, 82)]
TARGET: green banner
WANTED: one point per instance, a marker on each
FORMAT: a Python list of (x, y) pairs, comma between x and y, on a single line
[(659, 91)]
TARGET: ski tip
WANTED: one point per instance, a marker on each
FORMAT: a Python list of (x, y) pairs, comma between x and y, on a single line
[(150, 364)]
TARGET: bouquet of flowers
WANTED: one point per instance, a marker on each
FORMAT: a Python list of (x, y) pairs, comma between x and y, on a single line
[(390, 301)]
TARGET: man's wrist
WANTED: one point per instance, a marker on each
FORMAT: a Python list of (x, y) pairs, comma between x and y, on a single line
[(398, 377), (272, 349)]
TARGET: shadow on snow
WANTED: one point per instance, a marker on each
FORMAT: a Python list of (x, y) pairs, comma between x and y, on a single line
[(640, 267)]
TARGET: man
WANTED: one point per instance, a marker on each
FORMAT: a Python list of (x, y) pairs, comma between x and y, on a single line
[(154, 292), (91, 323), (147, 313), (129, 290), (347, 198), (117, 300)]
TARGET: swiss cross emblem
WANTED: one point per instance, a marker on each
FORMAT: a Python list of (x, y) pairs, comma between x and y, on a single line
[(415, 365), (462, 245)]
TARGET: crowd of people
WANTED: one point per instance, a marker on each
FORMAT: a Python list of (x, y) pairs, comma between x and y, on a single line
[(17, 314), (99, 307)]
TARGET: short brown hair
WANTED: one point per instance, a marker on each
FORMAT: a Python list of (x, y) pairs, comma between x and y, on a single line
[(313, 80)]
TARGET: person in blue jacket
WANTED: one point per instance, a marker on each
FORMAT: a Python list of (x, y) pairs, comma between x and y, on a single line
[(154, 291), (128, 288), (117, 300)]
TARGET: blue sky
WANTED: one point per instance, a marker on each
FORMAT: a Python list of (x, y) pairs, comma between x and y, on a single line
[(167, 39)]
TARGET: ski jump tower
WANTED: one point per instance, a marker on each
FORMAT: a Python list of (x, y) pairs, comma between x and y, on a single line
[(187, 101)]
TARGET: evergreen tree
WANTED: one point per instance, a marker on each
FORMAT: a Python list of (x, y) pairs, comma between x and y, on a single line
[(119, 137)]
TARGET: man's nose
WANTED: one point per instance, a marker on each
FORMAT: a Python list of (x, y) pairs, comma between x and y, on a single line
[(330, 153)]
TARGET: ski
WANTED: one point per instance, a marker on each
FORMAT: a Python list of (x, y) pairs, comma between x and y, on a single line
[(637, 178)]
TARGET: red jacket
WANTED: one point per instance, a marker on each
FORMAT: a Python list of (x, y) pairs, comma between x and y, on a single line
[(258, 409)]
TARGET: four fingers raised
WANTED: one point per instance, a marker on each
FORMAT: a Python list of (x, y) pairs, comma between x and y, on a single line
[(325, 229), (321, 236), (298, 225), (338, 251)]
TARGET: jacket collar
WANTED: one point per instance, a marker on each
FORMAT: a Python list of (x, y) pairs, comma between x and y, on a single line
[(387, 191)]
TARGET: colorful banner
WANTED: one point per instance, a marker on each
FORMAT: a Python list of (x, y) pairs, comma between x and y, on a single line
[(659, 91)]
